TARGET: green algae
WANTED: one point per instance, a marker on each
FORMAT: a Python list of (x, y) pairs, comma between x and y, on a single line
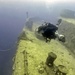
[(37, 52)]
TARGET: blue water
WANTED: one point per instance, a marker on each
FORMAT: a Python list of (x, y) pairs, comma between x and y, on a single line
[(12, 21)]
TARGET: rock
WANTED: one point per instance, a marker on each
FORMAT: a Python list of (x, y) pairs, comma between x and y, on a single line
[(41, 70), (13, 68), (61, 70)]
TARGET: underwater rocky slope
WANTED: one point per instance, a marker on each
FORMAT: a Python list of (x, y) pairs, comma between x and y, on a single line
[(67, 28), (32, 54)]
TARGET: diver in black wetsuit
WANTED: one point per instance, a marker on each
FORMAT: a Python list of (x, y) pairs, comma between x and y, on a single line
[(48, 30)]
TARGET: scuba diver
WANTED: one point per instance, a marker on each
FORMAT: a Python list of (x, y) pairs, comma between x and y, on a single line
[(49, 31)]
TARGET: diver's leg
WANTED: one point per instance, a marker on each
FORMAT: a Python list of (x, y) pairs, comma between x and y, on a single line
[(46, 40), (49, 40)]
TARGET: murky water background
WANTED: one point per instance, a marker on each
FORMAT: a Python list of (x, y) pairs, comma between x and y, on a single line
[(12, 21)]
